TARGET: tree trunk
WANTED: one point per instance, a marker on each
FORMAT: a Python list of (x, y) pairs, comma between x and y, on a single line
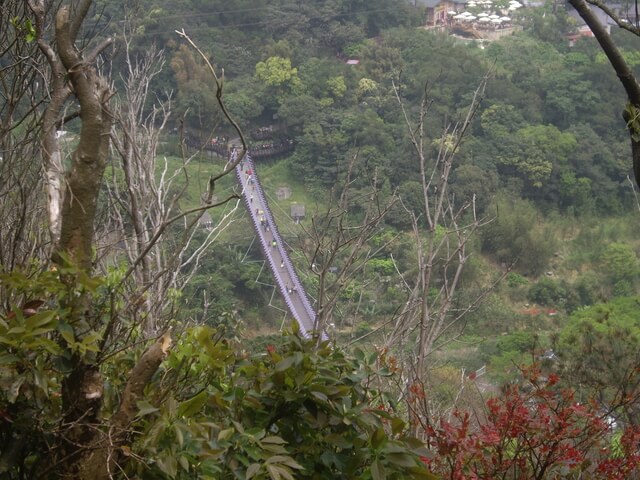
[(82, 389), (625, 74)]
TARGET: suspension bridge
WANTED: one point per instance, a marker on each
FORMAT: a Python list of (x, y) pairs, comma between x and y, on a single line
[(273, 248)]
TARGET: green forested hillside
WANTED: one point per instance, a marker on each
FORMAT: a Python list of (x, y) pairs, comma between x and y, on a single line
[(545, 157), (468, 234)]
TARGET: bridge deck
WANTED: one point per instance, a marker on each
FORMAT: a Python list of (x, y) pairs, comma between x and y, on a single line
[(276, 254)]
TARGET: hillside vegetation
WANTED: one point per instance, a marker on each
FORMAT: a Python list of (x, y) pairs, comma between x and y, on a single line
[(465, 232)]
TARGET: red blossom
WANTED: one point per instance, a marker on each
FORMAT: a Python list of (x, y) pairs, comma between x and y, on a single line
[(540, 433)]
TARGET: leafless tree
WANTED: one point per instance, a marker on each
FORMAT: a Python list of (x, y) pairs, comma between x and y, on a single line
[(441, 230), (85, 445), (22, 94), (143, 201), (340, 241)]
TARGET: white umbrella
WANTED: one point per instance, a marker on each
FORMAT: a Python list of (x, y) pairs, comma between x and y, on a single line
[(496, 20), (505, 19), (451, 12), (459, 17), (471, 17), (466, 14), (514, 7), (494, 16), (483, 19), (483, 14)]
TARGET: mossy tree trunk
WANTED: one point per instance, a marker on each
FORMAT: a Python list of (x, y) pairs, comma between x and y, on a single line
[(88, 447), (628, 80)]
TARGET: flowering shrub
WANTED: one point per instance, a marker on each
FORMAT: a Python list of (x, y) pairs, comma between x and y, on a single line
[(537, 433)]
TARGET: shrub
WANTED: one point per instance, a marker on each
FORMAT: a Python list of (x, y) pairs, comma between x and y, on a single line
[(515, 280), (547, 292), (513, 237)]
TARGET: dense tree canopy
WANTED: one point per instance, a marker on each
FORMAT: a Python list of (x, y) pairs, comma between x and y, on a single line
[(121, 329)]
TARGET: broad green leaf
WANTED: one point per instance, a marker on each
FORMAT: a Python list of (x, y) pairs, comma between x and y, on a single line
[(44, 320), (393, 447), (320, 396), (16, 330), (274, 472), (238, 426), (377, 470), (397, 425), (338, 440), (190, 407), (67, 333), (168, 465), (401, 459), (274, 448), (225, 434), (285, 460), (273, 439), (40, 379), (286, 474), (378, 437), (184, 462), (145, 408), (177, 428), (382, 413), (90, 341), (288, 362), (253, 469), (14, 390)]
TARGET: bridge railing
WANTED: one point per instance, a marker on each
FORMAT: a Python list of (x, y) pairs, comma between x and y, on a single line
[(306, 318), (281, 247)]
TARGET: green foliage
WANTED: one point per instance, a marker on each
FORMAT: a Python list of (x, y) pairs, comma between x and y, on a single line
[(336, 86), (383, 266), (515, 280), (547, 291), (536, 150), (276, 72), (43, 334), (620, 262), (293, 411), (514, 237), (296, 410), (576, 191), (516, 342), (601, 318), (362, 329), (280, 78), (507, 352), (470, 183), (599, 351), (26, 29)]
